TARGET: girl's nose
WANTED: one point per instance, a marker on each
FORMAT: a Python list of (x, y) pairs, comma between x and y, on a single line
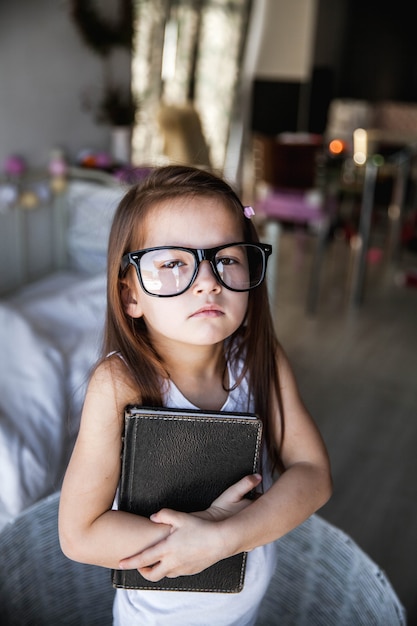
[(206, 280)]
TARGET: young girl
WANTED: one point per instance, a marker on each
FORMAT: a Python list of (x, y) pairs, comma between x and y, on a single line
[(188, 326)]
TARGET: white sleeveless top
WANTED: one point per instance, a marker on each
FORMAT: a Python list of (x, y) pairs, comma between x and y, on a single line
[(182, 608)]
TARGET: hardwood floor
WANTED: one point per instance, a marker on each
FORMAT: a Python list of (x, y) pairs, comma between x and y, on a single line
[(357, 372)]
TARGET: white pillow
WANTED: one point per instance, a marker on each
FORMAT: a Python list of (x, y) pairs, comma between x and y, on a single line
[(63, 309), (32, 414), (91, 209)]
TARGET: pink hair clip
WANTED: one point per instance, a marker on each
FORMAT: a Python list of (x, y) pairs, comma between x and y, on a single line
[(248, 211)]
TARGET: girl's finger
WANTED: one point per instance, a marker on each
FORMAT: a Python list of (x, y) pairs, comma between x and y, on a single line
[(237, 491)]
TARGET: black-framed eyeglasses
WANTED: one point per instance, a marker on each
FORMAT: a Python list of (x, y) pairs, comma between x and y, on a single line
[(167, 271)]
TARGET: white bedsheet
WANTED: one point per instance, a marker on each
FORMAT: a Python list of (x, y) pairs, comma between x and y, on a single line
[(50, 336)]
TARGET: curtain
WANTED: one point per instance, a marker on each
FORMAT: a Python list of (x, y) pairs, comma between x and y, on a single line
[(187, 51)]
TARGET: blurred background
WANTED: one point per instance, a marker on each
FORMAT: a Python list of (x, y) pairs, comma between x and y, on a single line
[(309, 108)]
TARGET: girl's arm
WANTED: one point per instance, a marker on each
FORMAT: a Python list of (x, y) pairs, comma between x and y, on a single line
[(89, 530), (302, 488)]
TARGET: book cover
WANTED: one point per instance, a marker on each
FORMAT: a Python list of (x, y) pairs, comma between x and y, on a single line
[(183, 460)]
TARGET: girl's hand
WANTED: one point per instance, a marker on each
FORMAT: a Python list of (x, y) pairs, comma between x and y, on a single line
[(195, 541), (193, 545), (232, 500)]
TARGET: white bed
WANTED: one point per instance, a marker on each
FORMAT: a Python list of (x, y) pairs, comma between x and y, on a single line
[(50, 336)]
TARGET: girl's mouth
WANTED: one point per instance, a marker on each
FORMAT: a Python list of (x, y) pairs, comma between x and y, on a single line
[(209, 310)]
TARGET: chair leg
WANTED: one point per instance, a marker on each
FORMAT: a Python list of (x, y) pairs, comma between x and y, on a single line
[(272, 236), (359, 263), (314, 282)]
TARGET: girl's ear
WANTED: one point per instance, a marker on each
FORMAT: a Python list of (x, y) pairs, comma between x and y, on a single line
[(130, 299)]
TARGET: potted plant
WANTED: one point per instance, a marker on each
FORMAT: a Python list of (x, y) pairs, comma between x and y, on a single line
[(118, 108)]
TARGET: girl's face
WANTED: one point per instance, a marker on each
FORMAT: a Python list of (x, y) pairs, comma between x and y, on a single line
[(207, 313)]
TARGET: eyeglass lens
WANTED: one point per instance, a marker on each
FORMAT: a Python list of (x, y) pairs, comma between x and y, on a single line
[(170, 271)]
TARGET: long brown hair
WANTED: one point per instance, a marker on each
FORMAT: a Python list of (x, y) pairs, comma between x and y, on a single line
[(257, 344)]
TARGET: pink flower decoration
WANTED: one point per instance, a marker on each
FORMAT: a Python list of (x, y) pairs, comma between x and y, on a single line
[(14, 165)]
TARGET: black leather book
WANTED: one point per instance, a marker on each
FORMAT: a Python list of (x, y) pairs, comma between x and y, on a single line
[(183, 460)]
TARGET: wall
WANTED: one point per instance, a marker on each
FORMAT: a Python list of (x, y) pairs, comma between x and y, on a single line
[(281, 93), (286, 47), (44, 70)]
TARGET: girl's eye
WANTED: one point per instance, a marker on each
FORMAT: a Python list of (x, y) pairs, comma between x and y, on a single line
[(172, 264), (231, 256), (227, 261)]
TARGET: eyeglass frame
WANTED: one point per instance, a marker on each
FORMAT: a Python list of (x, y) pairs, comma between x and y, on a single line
[(199, 254)]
